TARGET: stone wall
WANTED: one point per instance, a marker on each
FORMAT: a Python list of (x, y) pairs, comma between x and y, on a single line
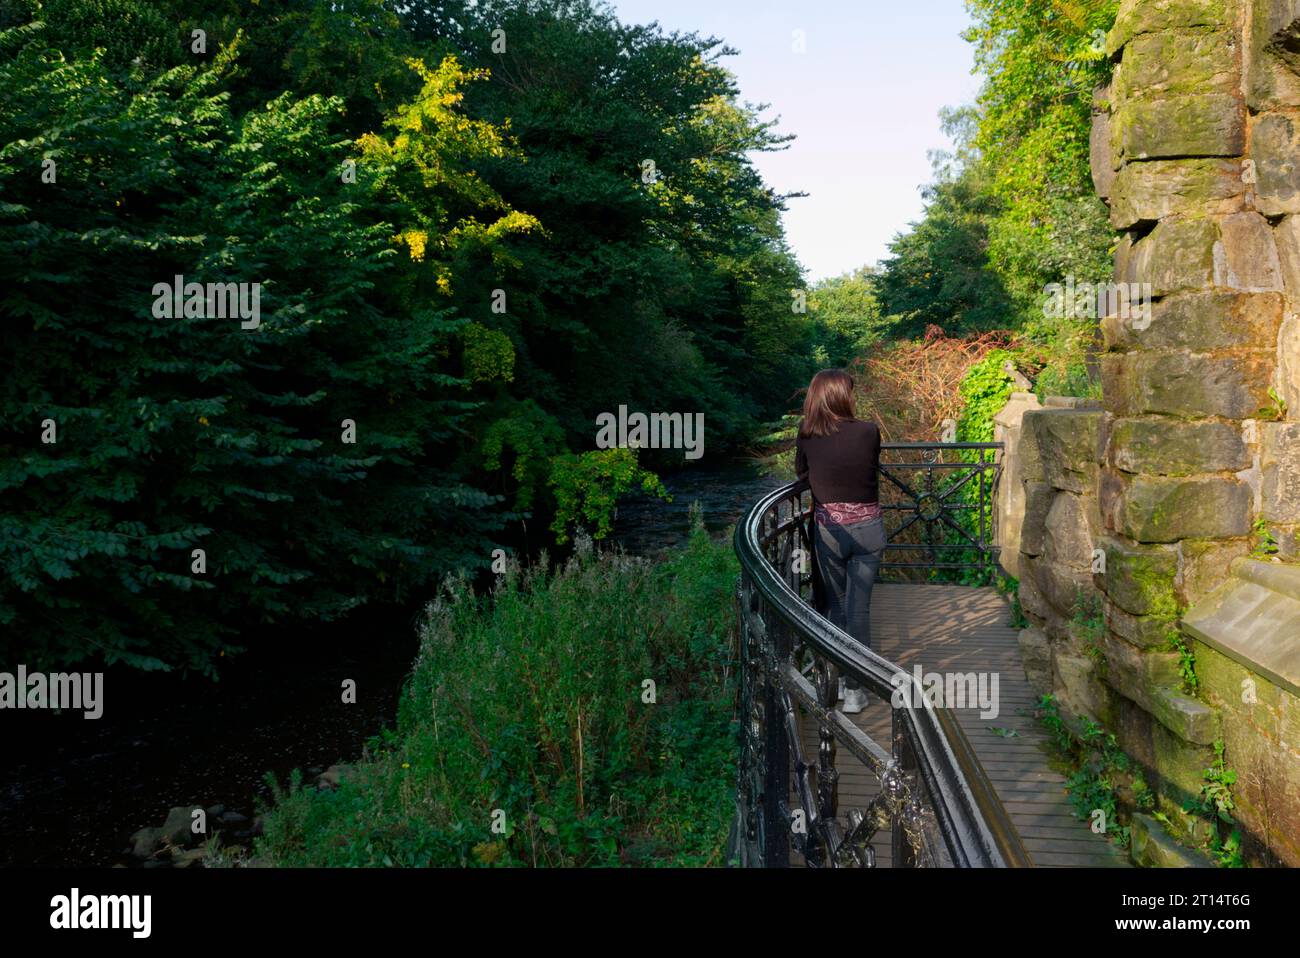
[(1196, 148), (1054, 453), (1009, 494)]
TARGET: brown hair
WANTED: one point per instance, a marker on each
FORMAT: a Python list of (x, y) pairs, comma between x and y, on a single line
[(828, 403)]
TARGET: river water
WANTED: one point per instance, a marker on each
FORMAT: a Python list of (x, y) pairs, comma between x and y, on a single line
[(646, 524), (73, 791)]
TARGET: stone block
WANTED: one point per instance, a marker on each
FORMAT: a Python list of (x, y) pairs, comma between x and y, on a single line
[(1038, 502), (1180, 764), (1069, 443), (1139, 675), (1176, 447), (1145, 191), (1275, 149), (1178, 62), (1138, 17), (1273, 79), (1245, 256), (1143, 631), (1165, 382), (1280, 467), (1261, 735), (1203, 565), (1188, 718), (1071, 524), (1101, 158), (1150, 846), (1208, 124), (1036, 654), (1057, 589), (1070, 402), (1286, 235), (1254, 619), (1009, 496), (1031, 597), (1288, 360), (1132, 728), (1287, 535), (1075, 686), (1177, 255), (1156, 509), (1204, 321), (1123, 253), (1139, 579), (1236, 251)]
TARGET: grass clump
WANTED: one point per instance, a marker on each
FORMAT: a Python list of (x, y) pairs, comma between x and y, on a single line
[(574, 717)]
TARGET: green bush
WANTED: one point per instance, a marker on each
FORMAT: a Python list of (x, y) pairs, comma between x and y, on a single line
[(984, 390), (531, 701)]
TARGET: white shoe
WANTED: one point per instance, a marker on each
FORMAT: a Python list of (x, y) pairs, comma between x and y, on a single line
[(841, 692), (855, 700)]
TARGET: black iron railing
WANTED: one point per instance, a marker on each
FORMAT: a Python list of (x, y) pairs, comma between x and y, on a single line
[(933, 798), (938, 504)]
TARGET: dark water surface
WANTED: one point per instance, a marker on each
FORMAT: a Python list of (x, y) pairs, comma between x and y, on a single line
[(646, 524), (73, 791)]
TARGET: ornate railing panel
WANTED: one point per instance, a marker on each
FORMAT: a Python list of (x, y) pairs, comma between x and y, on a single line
[(938, 501), (933, 800)]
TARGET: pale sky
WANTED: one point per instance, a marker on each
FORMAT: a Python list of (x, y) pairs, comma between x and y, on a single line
[(863, 100)]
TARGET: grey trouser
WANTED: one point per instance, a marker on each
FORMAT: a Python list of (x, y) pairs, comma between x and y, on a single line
[(849, 558)]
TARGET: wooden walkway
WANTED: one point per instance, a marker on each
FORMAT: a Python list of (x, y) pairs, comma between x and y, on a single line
[(949, 628)]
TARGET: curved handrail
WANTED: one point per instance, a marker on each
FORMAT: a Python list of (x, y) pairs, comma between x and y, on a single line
[(970, 818)]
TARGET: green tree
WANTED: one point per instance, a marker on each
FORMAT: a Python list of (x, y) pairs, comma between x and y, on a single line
[(847, 316), (660, 278), (186, 432), (938, 273), (1012, 209), (1041, 61)]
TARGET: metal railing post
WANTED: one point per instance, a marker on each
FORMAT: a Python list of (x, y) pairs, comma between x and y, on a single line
[(776, 753)]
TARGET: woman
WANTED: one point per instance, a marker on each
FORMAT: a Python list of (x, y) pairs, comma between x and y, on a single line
[(837, 455)]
